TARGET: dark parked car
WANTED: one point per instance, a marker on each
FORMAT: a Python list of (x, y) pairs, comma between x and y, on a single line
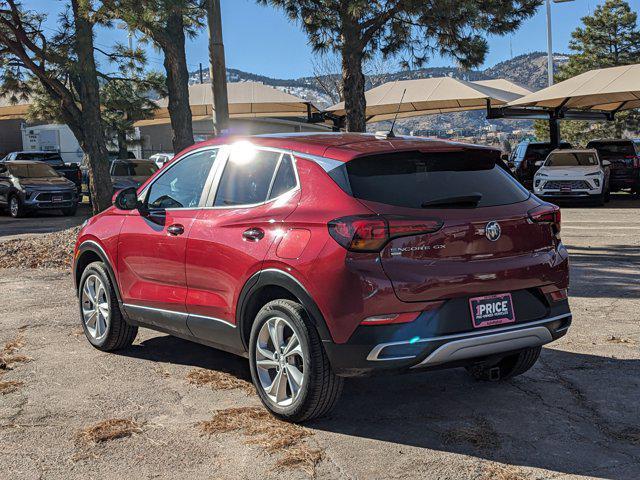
[(624, 156), (131, 173), (525, 156), (30, 186), (321, 256), (54, 160), (112, 156)]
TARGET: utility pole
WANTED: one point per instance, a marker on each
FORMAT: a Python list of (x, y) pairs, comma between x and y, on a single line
[(217, 69)]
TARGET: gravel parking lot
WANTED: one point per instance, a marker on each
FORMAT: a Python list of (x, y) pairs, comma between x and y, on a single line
[(575, 415)]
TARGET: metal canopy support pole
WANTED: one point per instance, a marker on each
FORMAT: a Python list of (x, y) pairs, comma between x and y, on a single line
[(554, 131)]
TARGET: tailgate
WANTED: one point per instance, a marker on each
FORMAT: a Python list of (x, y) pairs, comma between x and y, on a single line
[(461, 260)]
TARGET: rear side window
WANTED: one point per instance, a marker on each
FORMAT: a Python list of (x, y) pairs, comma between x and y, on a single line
[(613, 150), (246, 181), (285, 178), (415, 179)]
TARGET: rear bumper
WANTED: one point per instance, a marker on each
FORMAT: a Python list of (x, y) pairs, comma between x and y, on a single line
[(400, 348), (618, 183)]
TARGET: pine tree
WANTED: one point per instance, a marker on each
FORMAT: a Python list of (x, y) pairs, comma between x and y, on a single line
[(414, 30), (167, 24)]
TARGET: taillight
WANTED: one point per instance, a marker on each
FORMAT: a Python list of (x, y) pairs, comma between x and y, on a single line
[(370, 233), (80, 175), (549, 214)]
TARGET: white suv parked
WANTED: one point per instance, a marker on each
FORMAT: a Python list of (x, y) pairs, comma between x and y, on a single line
[(573, 174)]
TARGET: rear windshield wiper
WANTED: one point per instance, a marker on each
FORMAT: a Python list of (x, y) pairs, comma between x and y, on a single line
[(468, 201)]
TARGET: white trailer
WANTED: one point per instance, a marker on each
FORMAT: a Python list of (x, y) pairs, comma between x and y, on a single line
[(59, 138)]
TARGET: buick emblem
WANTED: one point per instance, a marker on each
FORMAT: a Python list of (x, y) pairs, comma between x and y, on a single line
[(493, 231)]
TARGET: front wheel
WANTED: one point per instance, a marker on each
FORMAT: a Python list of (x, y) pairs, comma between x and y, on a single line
[(16, 208), (70, 211), (289, 367), (508, 367)]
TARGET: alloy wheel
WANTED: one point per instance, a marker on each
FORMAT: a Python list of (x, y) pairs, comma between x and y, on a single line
[(14, 206), (279, 361), (96, 313)]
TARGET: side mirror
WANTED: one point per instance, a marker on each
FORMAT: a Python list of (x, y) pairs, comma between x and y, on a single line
[(539, 163), (126, 199), (606, 163)]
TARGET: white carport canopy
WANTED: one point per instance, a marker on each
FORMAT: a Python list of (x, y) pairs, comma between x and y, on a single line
[(246, 100), (433, 95), (606, 90), (13, 108)]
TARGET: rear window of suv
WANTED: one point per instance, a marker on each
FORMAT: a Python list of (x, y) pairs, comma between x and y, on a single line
[(613, 149), (415, 179)]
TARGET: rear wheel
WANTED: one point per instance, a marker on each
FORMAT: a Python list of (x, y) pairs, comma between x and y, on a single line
[(507, 367), (102, 321), (289, 367)]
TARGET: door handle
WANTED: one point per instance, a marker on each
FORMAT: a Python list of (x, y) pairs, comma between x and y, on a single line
[(175, 229), (253, 234)]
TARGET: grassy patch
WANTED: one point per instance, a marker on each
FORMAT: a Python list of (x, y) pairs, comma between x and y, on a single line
[(481, 435), (109, 430), (497, 471), (218, 380), (50, 250), (12, 346), (8, 361), (620, 340), (9, 386), (270, 434)]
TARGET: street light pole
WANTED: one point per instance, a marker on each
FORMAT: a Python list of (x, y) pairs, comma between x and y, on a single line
[(217, 69), (550, 39), (549, 44)]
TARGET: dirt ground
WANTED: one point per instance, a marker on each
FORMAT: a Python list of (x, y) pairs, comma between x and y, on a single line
[(576, 414)]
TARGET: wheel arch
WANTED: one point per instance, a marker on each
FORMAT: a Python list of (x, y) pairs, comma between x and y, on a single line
[(272, 284), (89, 252)]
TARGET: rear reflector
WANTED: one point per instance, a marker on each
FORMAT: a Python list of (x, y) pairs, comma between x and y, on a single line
[(370, 233), (391, 318), (559, 295)]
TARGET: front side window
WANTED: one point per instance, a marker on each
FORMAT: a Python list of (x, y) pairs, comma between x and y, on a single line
[(181, 185), (134, 169), (246, 179)]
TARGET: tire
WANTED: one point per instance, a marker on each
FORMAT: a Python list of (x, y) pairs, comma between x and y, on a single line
[(598, 200), (508, 367), (116, 333), (16, 207), (607, 196), (320, 388), (71, 211)]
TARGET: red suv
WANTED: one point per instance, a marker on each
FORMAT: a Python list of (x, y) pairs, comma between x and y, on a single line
[(323, 256)]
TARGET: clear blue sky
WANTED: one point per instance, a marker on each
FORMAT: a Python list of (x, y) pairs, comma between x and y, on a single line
[(262, 40)]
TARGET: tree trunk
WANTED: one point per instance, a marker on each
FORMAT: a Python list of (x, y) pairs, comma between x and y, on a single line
[(122, 144), (92, 141), (353, 81), (175, 64)]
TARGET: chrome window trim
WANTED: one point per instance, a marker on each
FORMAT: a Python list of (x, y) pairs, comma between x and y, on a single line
[(216, 182), (207, 186), (375, 351), (184, 314)]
